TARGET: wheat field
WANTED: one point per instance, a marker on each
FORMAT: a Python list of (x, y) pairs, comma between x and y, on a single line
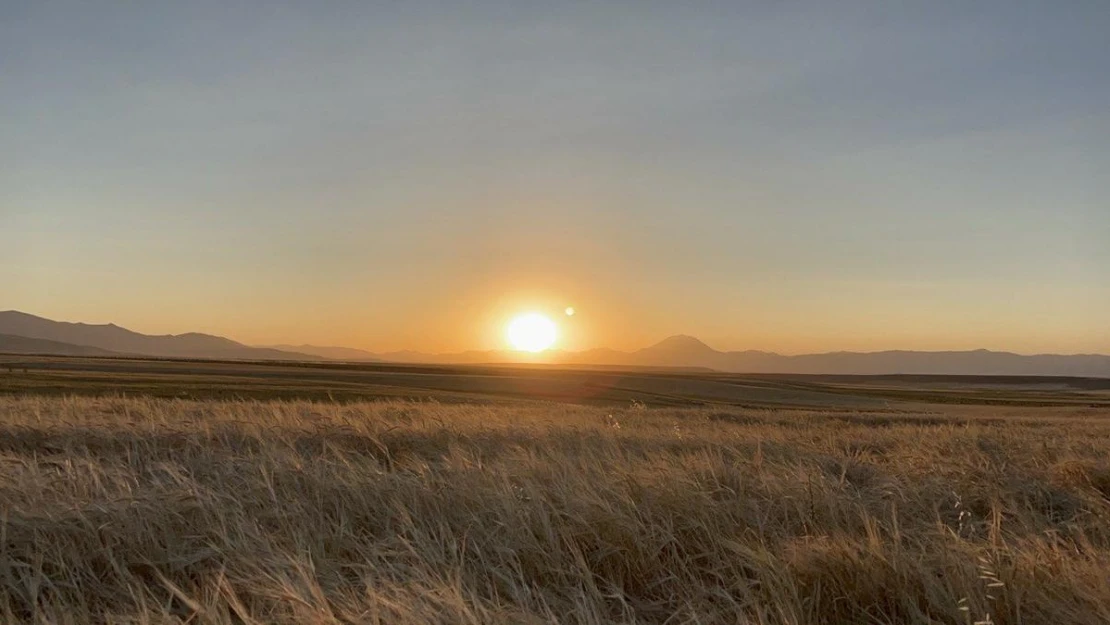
[(167, 511)]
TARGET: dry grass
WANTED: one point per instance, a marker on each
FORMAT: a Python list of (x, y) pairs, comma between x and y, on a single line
[(157, 511)]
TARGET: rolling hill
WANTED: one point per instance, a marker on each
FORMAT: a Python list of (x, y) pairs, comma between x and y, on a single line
[(349, 354), (113, 338), (11, 344)]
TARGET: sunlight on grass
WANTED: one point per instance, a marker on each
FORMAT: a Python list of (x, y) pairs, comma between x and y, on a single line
[(160, 511)]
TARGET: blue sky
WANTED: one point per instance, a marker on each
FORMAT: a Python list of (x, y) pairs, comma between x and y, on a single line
[(794, 176)]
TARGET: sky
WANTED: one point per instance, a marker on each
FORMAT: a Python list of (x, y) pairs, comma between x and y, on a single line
[(788, 176)]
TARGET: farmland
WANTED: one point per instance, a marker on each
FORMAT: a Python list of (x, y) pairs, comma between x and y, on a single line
[(172, 492)]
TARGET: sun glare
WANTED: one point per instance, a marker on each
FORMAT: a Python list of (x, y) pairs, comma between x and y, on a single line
[(532, 332)]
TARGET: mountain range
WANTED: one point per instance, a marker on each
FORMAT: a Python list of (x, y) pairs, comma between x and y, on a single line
[(12, 344), (24, 333), (110, 339)]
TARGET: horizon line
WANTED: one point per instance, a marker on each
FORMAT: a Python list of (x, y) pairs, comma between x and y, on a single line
[(502, 350)]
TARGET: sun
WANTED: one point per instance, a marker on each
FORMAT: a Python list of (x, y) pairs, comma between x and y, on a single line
[(531, 332)]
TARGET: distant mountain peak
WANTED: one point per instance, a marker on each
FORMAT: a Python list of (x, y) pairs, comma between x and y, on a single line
[(681, 343)]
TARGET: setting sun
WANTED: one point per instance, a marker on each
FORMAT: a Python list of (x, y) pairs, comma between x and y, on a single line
[(532, 332)]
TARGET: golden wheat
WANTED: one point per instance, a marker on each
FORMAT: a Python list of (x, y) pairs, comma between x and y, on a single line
[(160, 511)]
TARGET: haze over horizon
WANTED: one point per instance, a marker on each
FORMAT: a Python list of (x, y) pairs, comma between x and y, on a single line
[(786, 178), (679, 344)]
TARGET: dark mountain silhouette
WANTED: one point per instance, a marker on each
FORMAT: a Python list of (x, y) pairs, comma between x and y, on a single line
[(678, 351), (11, 344), (123, 341)]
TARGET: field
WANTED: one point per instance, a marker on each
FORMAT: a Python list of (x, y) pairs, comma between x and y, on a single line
[(159, 511), (195, 379), (502, 508)]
